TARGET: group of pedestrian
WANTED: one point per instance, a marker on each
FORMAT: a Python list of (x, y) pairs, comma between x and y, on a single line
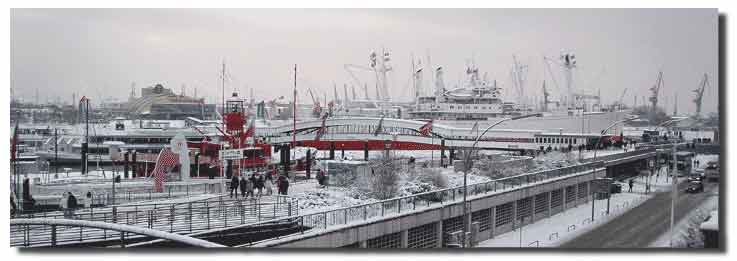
[(254, 186), (68, 204)]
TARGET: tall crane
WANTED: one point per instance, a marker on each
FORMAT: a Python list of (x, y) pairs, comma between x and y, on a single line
[(546, 94), (620, 102), (700, 94), (654, 95), (316, 109)]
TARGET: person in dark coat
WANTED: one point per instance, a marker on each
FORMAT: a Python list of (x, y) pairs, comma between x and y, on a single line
[(260, 185), (631, 183), (280, 185), (71, 204), (234, 186), (243, 186), (285, 185)]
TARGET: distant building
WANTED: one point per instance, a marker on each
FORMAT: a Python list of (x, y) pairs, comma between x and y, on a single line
[(161, 103)]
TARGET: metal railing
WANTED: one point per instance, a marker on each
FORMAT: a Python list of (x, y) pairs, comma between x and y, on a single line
[(183, 218), (58, 228), (102, 197), (397, 206)]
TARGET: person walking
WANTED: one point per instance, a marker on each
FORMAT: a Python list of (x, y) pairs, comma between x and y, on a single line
[(249, 185), (280, 185), (63, 204), (242, 185), (234, 186), (631, 182), (71, 205), (260, 185), (88, 200), (285, 185), (269, 183)]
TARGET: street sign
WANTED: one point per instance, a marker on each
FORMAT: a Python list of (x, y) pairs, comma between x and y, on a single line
[(231, 154), (601, 185)]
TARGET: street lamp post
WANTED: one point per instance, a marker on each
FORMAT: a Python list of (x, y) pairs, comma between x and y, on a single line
[(467, 165), (596, 146), (674, 178)]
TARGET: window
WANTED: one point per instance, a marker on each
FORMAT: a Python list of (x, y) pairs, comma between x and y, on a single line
[(574, 141)]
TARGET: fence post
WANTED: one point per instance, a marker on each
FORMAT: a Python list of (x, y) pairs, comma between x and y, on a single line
[(325, 220), (53, 235), (115, 214), (365, 212), (189, 212), (345, 215), (150, 219), (122, 239), (171, 219), (399, 205), (207, 210)]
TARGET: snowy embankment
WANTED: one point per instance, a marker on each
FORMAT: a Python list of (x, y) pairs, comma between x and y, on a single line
[(312, 198), (681, 239), (567, 225), (564, 226)]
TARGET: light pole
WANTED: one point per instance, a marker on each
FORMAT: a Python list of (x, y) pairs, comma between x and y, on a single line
[(674, 179), (596, 146), (674, 184), (467, 165)]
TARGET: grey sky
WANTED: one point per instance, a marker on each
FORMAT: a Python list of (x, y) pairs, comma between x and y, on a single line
[(99, 52)]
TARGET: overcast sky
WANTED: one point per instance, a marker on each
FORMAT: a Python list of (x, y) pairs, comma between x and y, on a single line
[(100, 52)]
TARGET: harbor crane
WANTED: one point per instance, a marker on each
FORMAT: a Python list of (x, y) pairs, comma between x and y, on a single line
[(654, 95), (620, 102), (700, 95), (316, 109)]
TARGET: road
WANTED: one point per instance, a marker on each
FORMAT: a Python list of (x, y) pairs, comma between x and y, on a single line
[(642, 225)]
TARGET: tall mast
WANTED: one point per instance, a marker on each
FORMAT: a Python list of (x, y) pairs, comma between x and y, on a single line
[(294, 110), (222, 77)]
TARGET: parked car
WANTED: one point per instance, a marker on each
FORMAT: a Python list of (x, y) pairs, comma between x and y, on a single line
[(696, 177), (695, 187)]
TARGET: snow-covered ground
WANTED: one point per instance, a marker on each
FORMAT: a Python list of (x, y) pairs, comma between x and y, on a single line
[(312, 198), (564, 226)]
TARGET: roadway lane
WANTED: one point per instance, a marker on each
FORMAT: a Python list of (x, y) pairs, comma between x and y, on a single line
[(644, 224)]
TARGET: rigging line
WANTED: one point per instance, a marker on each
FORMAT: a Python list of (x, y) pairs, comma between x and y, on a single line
[(550, 71)]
